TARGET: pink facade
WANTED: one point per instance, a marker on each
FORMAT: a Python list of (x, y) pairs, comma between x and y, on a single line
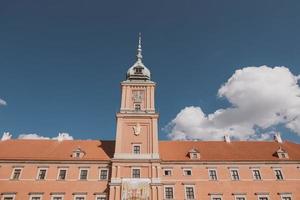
[(137, 166)]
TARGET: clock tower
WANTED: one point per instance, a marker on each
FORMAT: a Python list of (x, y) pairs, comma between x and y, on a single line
[(136, 132)]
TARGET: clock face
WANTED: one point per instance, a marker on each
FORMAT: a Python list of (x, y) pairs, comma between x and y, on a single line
[(138, 96)]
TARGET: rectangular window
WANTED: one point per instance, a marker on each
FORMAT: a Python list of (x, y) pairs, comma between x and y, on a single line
[(35, 198), (240, 198), (16, 174), (286, 198), (8, 197), (62, 173), (103, 174), (136, 173), (41, 174), (79, 198), (136, 149), (235, 174), (100, 198), (278, 174), (56, 198), (213, 174), (169, 193), (83, 174), (167, 172), (216, 198), (263, 198), (256, 174), (189, 192), (187, 172)]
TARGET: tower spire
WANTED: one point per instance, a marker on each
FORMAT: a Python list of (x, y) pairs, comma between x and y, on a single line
[(139, 50)]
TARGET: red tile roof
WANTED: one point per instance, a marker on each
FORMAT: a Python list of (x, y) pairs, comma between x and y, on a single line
[(222, 151), (55, 150), (97, 150)]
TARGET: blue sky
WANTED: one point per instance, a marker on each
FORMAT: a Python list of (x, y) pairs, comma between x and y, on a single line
[(62, 61)]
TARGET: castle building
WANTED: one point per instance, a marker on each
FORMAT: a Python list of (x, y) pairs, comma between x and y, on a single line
[(137, 166)]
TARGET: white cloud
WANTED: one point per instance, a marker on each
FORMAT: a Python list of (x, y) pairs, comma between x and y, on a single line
[(261, 97), (33, 136), (2, 102)]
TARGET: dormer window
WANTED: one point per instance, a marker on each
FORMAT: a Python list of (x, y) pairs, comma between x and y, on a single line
[(78, 153), (281, 153), (194, 154)]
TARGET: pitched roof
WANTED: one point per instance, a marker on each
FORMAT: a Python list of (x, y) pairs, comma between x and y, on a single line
[(55, 150), (223, 151), (96, 150)]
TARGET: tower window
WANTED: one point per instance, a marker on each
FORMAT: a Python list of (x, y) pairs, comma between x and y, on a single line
[(136, 173), (138, 70), (136, 149), (137, 107), (187, 172)]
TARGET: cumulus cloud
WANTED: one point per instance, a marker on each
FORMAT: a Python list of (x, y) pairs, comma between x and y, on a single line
[(260, 97), (2, 102), (33, 136)]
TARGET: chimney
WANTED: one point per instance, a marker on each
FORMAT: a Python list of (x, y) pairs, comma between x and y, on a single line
[(227, 138), (277, 137)]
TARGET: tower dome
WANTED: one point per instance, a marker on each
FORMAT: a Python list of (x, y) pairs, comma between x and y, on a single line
[(138, 71)]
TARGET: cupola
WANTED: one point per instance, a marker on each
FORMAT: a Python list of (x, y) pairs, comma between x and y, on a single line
[(138, 71)]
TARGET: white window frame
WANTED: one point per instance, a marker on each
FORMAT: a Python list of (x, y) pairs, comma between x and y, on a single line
[(263, 196), (240, 196), (57, 195), (138, 145), (58, 172), (185, 193), (36, 195), (138, 169), (87, 174), (212, 169), (79, 195), (13, 172), (253, 176), (187, 169), (216, 196), (100, 195), (9, 196), (172, 186), (282, 195), (274, 170), (168, 169), (38, 173), (103, 169), (231, 174)]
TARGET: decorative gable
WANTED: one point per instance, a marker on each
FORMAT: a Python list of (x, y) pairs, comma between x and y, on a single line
[(194, 154), (78, 153), (282, 154)]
